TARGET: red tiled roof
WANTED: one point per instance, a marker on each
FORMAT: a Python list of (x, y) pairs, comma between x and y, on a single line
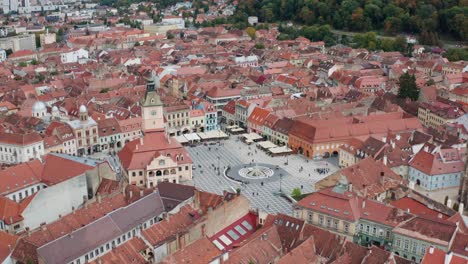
[(438, 256), (200, 251), (20, 176), (434, 230), (258, 116), (7, 243), (432, 164), (350, 207), (415, 207), (20, 139), (128, 252), (165, 230), (135, 155), (57, 169)]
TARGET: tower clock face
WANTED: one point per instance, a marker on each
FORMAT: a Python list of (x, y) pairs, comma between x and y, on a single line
[(153, 112)]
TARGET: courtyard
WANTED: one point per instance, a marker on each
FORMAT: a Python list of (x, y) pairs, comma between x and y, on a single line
[(289, 172)]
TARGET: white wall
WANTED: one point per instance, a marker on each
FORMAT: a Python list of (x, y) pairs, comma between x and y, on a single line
[(56, 200)]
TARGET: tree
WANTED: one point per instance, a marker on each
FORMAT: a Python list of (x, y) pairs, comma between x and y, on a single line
[(259, 46), (251, 32), (23, 64), (296, 193), (457, 54), (400, 44), (455, 206), (408, 87), (170, 36)]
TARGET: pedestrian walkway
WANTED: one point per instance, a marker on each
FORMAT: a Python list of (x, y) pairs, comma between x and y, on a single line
[(300, 173)]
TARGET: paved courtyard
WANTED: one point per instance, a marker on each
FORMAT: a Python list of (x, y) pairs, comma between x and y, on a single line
[(232, 152)]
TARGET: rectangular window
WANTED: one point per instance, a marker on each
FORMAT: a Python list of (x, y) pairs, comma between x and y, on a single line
[(328, 222), (310, 217), (321, 220), (335, 224), (346, 228), (406, 244)]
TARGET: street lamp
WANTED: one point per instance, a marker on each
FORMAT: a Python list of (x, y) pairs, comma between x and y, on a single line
[(281, 178)]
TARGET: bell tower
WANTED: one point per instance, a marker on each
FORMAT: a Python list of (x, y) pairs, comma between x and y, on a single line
[(152, 107)]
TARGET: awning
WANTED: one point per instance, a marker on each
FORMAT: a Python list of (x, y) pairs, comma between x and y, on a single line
[(235, 130), (280, 150), (266, 145), (252, 136), (192, 137), (212, 134), (181, 139)]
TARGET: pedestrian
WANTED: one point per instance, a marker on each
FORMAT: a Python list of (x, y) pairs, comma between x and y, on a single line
[(302, 187), (257, 193), (268, 206)]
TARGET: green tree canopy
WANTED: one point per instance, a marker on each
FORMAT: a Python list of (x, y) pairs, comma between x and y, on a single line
[(408, 87)]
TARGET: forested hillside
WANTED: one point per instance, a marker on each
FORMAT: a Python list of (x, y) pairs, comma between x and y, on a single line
[(427, 18)]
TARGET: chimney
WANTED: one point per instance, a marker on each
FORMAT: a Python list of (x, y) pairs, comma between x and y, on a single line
[(385, 159), (196, 199), (98, 198), (393, 144), (384, 139), (431, 250), (130, 194), (448, 257), (363, 203), (449, 203), (398, 137), (426, 148), (141, 141), (460, 208), (350, 187)]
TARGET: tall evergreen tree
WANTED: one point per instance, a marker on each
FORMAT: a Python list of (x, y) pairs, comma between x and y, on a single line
[(408, 87)]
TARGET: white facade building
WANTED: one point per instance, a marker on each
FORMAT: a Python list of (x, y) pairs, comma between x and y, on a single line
[(74, 56), (3, 55), (247, 61), (17, 148)]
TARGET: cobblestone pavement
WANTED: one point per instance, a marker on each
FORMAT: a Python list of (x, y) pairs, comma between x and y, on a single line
[(233, 152)]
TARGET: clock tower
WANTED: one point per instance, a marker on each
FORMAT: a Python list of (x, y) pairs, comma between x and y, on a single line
[(152, 107)]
